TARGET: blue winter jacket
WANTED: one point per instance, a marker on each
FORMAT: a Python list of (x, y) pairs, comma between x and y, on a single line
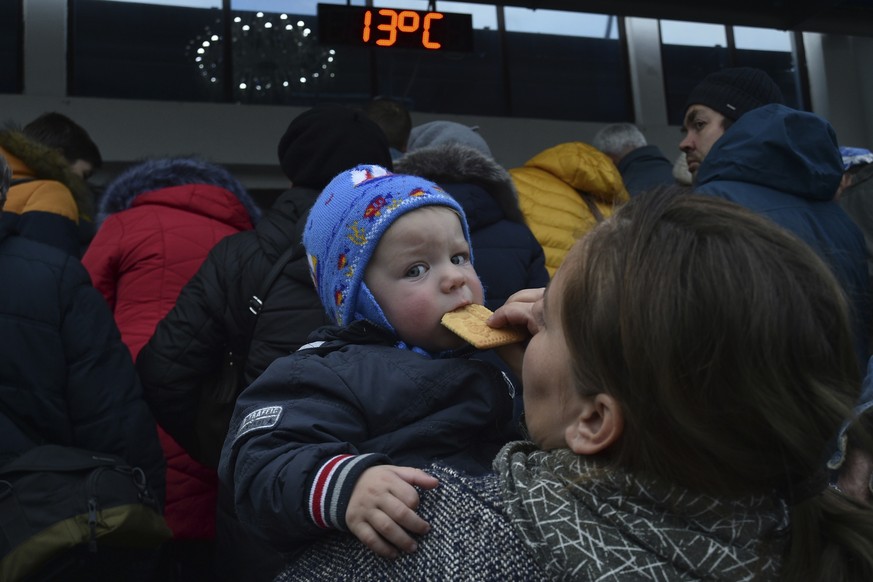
[(785, 164), (313, 422), (65, 375)]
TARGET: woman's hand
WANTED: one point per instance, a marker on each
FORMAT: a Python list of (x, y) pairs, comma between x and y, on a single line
[(519, 310)]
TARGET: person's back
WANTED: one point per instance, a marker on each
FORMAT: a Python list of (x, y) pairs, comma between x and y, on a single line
[(785, 165), (564, 191), (642, 166), (158, 221), (390, 255)]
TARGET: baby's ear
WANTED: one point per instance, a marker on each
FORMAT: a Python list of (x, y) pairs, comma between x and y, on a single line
[(599, 424)]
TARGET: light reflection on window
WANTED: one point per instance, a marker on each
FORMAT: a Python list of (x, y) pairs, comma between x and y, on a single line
[(762, 39), (692, 33), (561, 23)]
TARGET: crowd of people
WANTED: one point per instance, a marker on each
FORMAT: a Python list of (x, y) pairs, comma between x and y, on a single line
[(693, 399)]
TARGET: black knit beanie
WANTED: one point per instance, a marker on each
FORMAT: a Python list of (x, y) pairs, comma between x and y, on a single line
[(735, 92), (323, 141)]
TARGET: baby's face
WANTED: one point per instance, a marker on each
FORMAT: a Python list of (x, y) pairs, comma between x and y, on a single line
[(421, 269)]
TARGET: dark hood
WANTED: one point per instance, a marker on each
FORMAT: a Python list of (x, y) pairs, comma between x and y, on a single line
[(455, 163), (780, 148)]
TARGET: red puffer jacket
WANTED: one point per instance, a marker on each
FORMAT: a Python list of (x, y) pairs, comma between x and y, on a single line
[(139, 260)]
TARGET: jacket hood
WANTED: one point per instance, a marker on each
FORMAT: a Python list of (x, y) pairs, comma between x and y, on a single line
[(163, 173), (780, 148), (583, 168), (455, 163), (44, 163)]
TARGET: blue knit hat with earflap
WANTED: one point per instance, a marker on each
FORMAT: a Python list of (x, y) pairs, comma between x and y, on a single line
[(346, 223)]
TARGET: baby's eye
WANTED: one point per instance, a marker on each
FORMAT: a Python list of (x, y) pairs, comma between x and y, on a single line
[(460, 260), (415, 271)]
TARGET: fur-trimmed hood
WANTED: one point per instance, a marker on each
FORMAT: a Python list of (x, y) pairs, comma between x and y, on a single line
[(161, 173), (45, 163), (455, 163)]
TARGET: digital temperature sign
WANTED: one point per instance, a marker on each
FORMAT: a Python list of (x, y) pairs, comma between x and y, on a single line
[(389, 27)]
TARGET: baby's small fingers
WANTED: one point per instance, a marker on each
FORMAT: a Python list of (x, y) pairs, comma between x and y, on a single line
[(371, 538), (397, 536)]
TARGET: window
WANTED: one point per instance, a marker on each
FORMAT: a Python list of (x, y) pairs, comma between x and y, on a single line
[(142, 50), (566, 65), (690, 51), (11, 18)]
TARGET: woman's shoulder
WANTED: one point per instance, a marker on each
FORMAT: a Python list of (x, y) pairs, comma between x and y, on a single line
[(470, 539)]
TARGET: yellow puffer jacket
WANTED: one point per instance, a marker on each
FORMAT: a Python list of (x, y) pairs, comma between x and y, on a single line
[(38, 194), (552, 187)]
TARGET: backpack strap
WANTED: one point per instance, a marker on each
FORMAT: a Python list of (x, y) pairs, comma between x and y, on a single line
[(256, 302)]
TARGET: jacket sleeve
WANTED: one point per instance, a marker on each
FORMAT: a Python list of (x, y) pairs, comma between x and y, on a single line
[(186, 349), (102, 258), (290, 457), (104, 395)]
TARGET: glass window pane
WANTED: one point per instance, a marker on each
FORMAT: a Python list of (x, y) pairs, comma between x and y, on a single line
[(566, 65), (692, 33), (766, 39), (561, 23), (143, 50), (690, 51), (10, 46), (771, 51)]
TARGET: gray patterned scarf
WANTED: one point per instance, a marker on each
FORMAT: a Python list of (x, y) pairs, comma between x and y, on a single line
[(582, 522)]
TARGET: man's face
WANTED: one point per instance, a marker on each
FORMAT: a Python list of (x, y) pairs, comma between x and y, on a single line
[(702, 128)]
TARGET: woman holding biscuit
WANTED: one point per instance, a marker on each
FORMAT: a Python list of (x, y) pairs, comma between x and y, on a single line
[(688, 367)]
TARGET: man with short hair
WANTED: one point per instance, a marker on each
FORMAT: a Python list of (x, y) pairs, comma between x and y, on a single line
[(642, 166), (49, 201), (743, 145)]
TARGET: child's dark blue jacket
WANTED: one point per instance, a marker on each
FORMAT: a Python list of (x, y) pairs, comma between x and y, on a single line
[(306, 429)]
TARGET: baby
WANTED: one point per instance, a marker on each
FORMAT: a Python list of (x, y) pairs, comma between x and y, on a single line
[(334, 436)]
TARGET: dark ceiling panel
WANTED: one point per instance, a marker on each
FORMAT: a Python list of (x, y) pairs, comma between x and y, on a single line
[(851, 17)]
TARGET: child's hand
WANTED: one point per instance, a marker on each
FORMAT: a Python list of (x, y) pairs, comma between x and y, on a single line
[(521, 310), (381, 511)]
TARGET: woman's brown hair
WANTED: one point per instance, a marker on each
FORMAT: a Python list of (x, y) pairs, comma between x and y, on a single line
[(727, 342)]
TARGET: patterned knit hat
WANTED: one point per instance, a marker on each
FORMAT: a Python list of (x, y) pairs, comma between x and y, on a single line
[(734, 92), (346, 223)]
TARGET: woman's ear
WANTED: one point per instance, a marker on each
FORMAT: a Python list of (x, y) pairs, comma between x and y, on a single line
[(598, 426)]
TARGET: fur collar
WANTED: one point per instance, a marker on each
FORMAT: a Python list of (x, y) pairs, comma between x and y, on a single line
[(48, 164), (454, 163)]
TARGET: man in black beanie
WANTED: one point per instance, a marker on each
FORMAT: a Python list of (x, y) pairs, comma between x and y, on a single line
[(743, 145), (718, 101)]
